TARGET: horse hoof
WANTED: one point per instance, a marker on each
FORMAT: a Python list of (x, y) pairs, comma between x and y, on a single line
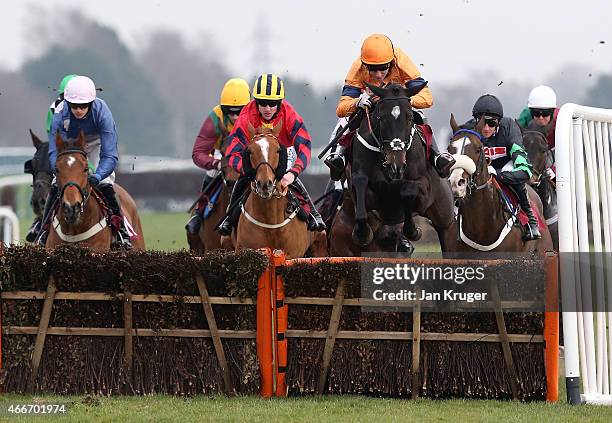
[(365, 239), (414, 235)]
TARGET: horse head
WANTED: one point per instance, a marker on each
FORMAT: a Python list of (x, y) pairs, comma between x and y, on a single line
[(72, 170), (40, 169), (392, 125), (470, 171), (536, 146), (267, 158)]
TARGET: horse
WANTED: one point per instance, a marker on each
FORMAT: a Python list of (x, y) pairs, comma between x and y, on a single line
[(542, 159), (40, 169), (484, 222), (265, 220), (81, 217), (338, 211), (389, 176), (208, 239)]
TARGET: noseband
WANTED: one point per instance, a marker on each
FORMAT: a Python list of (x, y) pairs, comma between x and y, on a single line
[(85, 193)]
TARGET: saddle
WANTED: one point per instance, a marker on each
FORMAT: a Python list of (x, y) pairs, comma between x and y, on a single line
[(513, 207)]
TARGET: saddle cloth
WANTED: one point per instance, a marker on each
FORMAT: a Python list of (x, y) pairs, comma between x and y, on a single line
[(522, 216)]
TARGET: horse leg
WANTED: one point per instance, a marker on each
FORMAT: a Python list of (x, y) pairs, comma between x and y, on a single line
[(408, 193), (362, 233), (442, 218), (318, 244)]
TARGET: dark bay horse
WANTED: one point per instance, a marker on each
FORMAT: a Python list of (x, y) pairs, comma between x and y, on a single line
[(542, 159), (339, 215), (207, 238), (484, 224), (40, 169), (265, 221), (80, 218), (390, 177)]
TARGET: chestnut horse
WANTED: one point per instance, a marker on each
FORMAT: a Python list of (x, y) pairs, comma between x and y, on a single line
[(542, 159), (265, 221), (207, 238), (80, 219), (483, 222)]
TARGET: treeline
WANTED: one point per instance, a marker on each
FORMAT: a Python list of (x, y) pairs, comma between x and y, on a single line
[(160, 92)]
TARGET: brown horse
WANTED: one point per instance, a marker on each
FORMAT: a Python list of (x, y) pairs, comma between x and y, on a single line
[(264, 221), (483, 222), (339, 217), (542, 159), (80, 218), (207, 238)]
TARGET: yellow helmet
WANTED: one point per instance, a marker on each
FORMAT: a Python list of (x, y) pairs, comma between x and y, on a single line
[(377, 49), (269, 87), (235, 93)]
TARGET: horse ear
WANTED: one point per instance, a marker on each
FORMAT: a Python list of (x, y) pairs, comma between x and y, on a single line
[(376, 90), (59, 142), (81, 140), (414, 87), (251, 130), (453, 123), (276, 130), (37, 142)]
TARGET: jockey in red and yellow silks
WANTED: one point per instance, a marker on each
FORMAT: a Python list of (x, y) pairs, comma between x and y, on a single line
[(269, 109), (380, 63), (208, 144)]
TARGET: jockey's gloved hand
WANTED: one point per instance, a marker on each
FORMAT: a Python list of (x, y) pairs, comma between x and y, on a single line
[(92, 180), (364, 100)]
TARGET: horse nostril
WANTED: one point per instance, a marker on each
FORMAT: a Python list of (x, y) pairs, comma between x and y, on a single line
[(461, 182)]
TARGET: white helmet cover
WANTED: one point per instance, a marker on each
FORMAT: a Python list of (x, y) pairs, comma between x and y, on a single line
[(542, 97), (80, 90)]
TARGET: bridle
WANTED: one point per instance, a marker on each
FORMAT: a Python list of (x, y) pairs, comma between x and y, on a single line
[(275, 193), (85, 192), (541, 175), (471, 183), (396, 144)]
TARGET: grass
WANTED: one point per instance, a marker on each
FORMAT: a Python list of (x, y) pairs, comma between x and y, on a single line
[(321, 409)]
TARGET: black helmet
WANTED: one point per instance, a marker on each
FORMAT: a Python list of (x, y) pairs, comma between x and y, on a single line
[(488, 104)]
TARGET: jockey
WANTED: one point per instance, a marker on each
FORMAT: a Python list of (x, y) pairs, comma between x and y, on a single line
[(379, 64), (542, 109), (92, 116), (215, 128), (55, 107), (501, 136), (268, 109), (58, 104)]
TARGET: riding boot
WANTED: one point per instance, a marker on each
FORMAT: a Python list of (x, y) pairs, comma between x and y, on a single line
[(233, 211), (442, 162), (315, 221), (206, 182), (34, 230), (44, 226), (108, 191), (336, 162), (531, 228)]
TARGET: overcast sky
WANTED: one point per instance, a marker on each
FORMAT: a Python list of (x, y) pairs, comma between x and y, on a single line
[(317, 40)]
